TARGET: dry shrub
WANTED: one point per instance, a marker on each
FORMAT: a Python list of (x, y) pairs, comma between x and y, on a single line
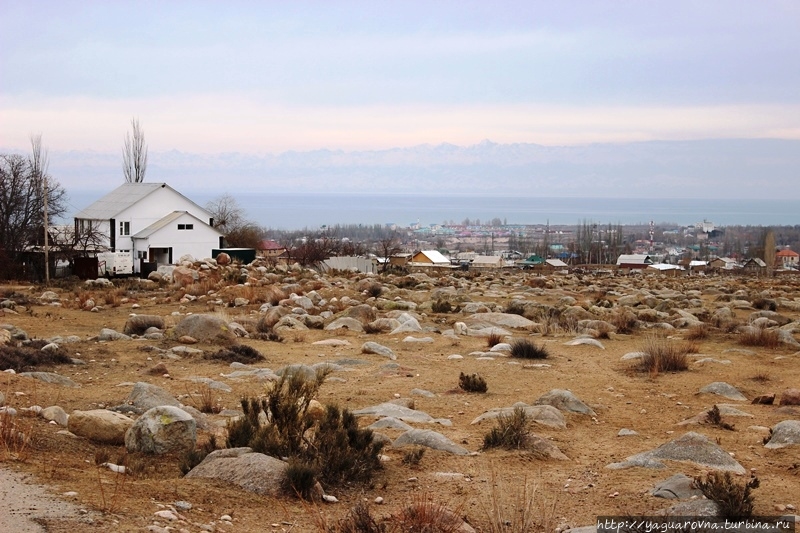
[(510, 433), (734, 500), (519, 508), (25, 358), (527, 349), (358, 520), (15, 436), (664, 355), (374, 290), (423, 514), (765, 304), (371, 328), (761, 377), (442, 306), (472, 383), (238, 353), (516, 307), (697, 333), (715, 419), (494, 339), (760, 337), (536, 282), (205, 399), (201, 287), (624, 322)]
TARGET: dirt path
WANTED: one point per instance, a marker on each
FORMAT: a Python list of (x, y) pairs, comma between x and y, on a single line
[(29, 508)]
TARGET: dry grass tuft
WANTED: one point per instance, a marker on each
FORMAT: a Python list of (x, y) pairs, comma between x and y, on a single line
[(527, 349), (698, 333), (664, 355), (521, 508), (493, 339), (760, 337)]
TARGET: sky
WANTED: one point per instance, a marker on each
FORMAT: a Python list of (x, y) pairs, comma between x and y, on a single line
[(267, 77)]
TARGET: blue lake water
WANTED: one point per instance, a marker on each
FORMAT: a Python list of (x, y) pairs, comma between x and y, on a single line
[(310, 210)]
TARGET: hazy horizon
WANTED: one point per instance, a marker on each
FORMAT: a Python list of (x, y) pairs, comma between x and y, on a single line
[(401, 96)]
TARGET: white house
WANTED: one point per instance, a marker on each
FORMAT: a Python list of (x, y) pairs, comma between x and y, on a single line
[(151, 221)]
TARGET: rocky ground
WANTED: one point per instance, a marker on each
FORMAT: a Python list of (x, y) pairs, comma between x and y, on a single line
[(603, 435)]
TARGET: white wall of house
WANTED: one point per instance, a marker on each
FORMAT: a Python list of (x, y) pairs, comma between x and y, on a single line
[(197, 241), (151, 209)]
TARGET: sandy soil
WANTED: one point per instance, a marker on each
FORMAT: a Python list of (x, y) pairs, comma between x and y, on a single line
[(570, 492)]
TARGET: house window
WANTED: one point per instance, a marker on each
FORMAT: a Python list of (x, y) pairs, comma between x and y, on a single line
[(185, 226), (124, 229)]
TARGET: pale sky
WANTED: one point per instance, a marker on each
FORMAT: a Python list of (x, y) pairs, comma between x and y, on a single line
[(266, 76)]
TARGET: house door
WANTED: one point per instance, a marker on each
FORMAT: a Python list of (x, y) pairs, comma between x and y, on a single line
[(162, 256)]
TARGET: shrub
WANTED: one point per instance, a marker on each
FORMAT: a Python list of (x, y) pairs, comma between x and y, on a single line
[(194, 457), (442, 306), (24, 358), (697, 333), (527, 349), (205, 403), (733, 499), (425, 515), (239, 353), (516, 507), (359, 520), (413, 457), (332, 450), (624, 322), (299, 479), (663, 355), (511, 431), (765, 304), (715, 419), (371, 329), (472, 383), (516, 308), (375, 290), (764, 338), (494, 339)]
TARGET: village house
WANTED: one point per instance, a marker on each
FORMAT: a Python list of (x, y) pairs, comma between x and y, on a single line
[(634, 261), (787, 258), (150, 222), (270, 250)]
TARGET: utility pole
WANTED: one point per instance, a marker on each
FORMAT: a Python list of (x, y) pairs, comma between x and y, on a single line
[(46, 239)]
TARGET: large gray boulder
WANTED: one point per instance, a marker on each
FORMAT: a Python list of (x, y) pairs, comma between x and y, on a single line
[(100, 425), (725, 390), (429, 439), (347, 323), (51, 377), (506, 320), (204, 328), (378, 349), (564, 400), (691, 447), (108, 334), (145, 396), (677, 487), (253, 472), (161, 430), (786, 433)]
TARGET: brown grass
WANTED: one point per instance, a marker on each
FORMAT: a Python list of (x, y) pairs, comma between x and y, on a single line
[(664, 355), (760, 337)]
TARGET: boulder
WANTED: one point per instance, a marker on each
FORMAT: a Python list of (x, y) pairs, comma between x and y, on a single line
[(363, 313), (108, 334), (564, 400), (790, 397), (56, 414), (546, 415), (100, 425), (53, 378), (204, 328), (161, 430), (184, 276), (348, 323), (253, 472), (378, 349), (691, 447), (725, 390), (223, 259), (506, 320), (786, 433), (429, 439), (145, 396), (677, 487)]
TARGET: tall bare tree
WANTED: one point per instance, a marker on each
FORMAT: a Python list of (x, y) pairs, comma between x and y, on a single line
[(134, 154), (22, 204)]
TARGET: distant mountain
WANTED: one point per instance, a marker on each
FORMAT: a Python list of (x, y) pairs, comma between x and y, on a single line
[(725, 168)]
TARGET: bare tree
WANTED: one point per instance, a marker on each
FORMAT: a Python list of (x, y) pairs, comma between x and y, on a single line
[(134, 154), (22, 200), (387, 247), (230, 219)]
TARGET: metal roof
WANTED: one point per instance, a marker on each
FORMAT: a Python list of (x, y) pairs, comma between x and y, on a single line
[(122, 198)]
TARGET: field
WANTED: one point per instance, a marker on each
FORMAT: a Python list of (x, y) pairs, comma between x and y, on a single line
[(637, 313)]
